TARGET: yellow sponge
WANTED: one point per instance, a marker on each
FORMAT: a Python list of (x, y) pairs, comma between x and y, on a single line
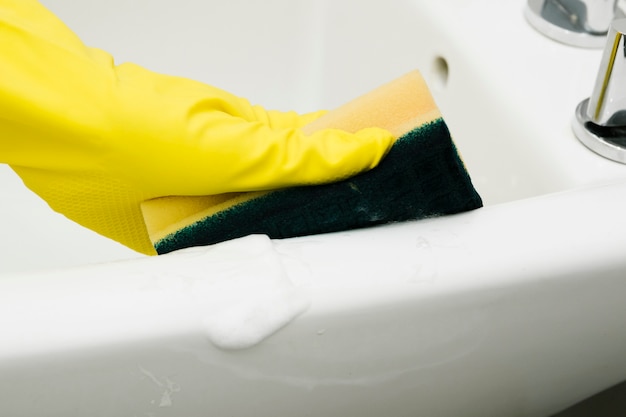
[(422, 176)]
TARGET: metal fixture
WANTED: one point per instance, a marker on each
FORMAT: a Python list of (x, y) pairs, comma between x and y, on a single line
[(582, 23), (600, 121)]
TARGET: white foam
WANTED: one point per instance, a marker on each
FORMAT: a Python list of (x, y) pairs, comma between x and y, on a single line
[(246, 295)]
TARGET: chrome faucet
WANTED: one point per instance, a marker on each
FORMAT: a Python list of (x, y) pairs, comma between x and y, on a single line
[(600, 120), (582, 23)]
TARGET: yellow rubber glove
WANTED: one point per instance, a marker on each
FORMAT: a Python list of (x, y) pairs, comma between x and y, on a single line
[(95, 140)]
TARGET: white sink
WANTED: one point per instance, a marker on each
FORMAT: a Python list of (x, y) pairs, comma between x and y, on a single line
[(515, 309)]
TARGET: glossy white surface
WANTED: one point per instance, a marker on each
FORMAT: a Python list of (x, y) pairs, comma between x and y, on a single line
[(514, 309)]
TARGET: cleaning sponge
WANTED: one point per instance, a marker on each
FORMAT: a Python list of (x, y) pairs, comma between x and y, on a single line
[(421, 176)]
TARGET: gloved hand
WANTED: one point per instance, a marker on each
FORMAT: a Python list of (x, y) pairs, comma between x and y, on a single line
[(94, 139)]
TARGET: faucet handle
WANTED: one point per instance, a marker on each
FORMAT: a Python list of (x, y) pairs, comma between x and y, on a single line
[(581, 23), (607, 104)]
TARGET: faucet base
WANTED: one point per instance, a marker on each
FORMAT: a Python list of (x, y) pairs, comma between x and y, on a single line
[(609, 142), (554, 20)]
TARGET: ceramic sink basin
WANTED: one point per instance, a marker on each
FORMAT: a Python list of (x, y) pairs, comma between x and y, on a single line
[(514, 309)]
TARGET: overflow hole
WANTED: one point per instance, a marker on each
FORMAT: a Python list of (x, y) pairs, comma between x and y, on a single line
[(440, 72)]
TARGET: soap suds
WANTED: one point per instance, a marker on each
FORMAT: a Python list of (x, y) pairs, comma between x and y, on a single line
[(168, 386), (244, 294), (425, 266)]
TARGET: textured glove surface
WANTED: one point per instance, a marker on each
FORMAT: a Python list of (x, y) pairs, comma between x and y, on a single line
[(95, 139)]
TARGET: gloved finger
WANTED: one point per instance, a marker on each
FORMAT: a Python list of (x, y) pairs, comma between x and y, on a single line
[(285, 120), (215, 153)]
